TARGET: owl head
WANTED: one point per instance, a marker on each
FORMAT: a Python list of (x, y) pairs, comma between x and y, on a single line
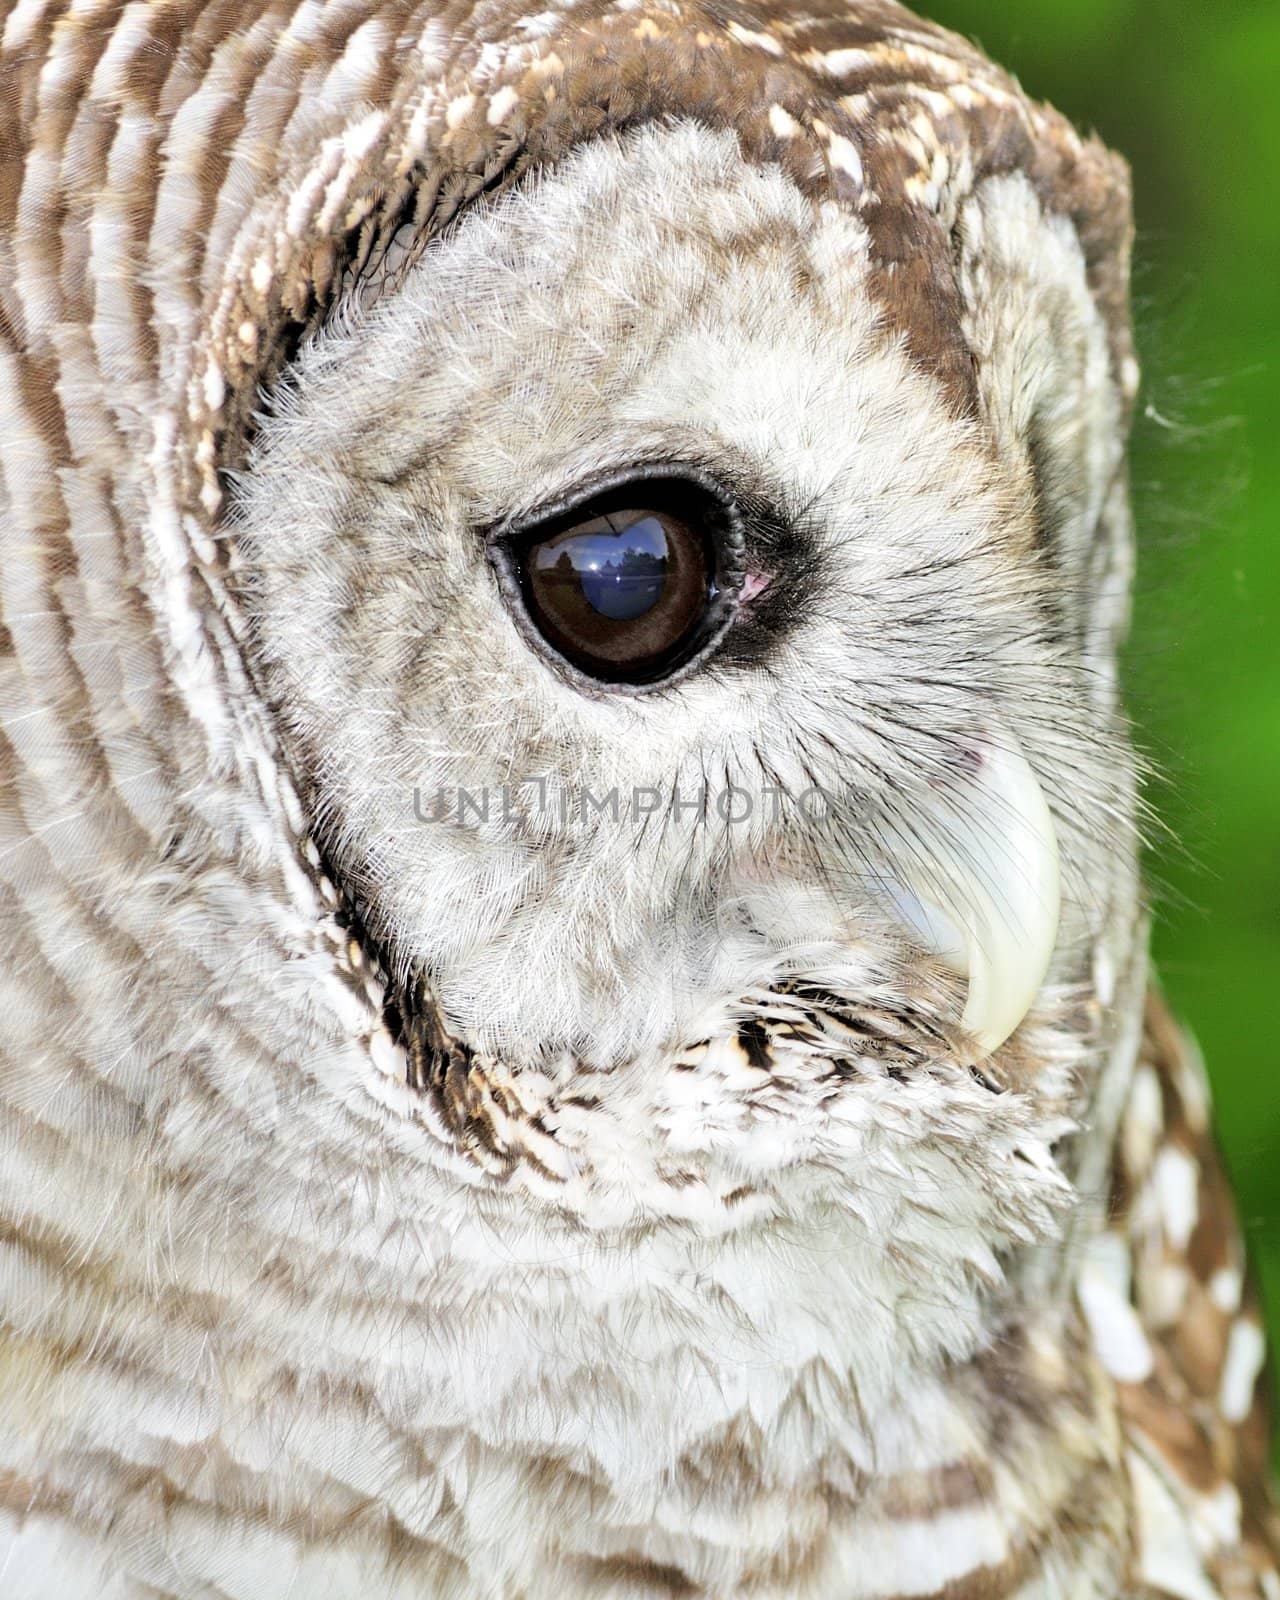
[(652, 632), (684, 570), (630, 506)]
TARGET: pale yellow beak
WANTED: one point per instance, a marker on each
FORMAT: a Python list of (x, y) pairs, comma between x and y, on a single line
[(989, 901)]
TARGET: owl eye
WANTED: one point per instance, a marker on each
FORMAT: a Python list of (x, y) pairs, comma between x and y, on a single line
[(627, 585)]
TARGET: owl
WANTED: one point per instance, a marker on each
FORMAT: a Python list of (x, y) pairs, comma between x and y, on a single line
[(576, 1019)]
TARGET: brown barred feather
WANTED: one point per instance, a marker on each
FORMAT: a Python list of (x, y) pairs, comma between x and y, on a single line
[(1199, 1420)]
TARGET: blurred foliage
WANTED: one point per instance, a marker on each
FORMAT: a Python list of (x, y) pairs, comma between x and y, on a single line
[(1187, 89)]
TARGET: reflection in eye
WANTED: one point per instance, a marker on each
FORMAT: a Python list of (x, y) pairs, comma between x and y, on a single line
[(620, 570)]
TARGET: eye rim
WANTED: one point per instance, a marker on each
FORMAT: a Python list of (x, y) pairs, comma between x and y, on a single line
[(726, 542)]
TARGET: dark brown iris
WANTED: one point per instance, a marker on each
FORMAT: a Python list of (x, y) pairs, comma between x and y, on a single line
[(622, 586)]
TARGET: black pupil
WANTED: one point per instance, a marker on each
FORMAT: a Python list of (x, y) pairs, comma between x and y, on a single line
[(618, 562), (624, 586)]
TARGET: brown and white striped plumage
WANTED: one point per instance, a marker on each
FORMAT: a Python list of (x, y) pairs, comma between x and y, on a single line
[(309, 1287)]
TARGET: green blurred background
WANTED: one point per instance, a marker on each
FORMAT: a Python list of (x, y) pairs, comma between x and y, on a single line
[(1189, 90)]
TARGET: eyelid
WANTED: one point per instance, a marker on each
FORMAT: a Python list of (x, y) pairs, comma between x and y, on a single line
[(511, 528)]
